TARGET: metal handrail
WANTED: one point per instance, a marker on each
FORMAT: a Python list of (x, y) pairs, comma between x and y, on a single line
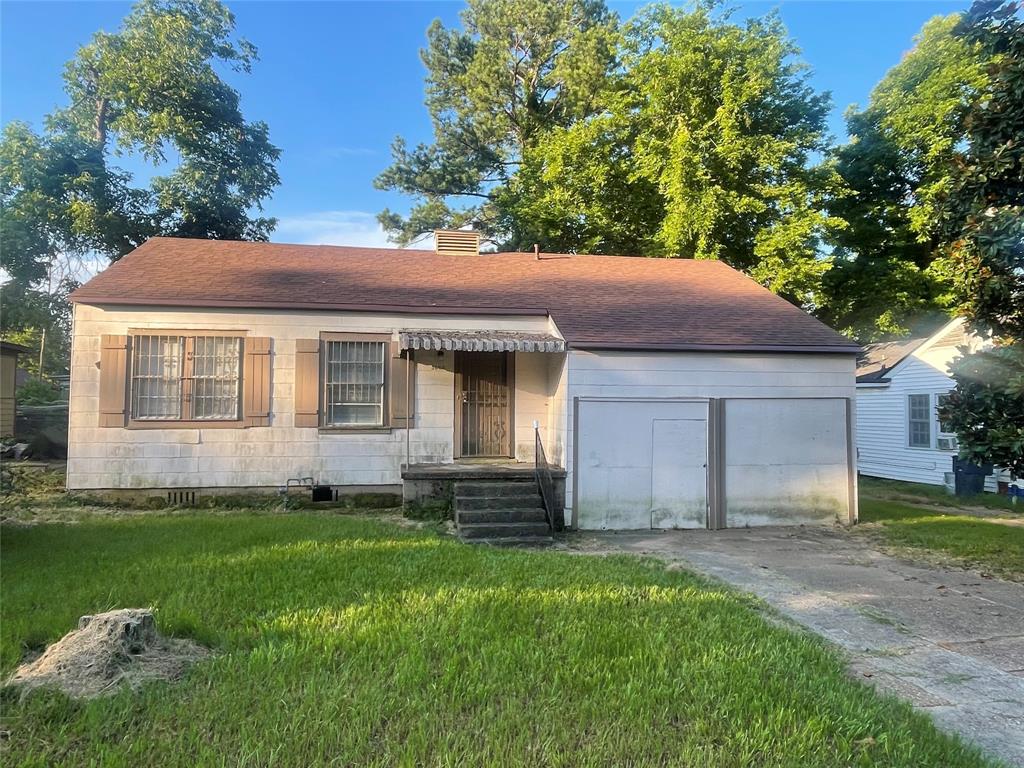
[(545, 482)]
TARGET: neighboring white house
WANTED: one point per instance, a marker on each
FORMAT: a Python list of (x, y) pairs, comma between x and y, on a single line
[(900, 385), (673, 392)]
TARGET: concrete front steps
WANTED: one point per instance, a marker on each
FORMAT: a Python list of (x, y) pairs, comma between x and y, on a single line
[(500, 512)]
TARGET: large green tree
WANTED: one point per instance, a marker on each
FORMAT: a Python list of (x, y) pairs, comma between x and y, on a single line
[(62, 210), (704, 148), (151, 89), (681, 134), (983, 224), (895, 168), (516, 69)]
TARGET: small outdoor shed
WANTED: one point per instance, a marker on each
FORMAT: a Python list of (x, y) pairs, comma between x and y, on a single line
[(9, 353)]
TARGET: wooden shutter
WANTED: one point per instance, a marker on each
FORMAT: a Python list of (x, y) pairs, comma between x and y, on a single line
[(307, 382), (402, 407), (256, 382), (113, 380)]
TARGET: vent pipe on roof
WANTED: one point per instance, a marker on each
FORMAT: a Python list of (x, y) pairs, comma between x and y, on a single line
[(456, 242)]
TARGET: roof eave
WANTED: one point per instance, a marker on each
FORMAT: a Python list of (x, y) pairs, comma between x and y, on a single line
[(842, 349), (404, 309), (137, 301)]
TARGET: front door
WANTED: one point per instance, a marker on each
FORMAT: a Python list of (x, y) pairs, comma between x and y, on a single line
[(483, 405)]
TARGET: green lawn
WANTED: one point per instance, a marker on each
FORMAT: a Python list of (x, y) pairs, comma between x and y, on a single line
[(920, 493), (986, 543), (349, 641)]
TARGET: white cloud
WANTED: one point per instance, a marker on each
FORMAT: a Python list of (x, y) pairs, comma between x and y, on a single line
[(338, 228)]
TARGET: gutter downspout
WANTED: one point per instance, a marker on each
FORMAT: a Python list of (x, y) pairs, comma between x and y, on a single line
[(408, 407)]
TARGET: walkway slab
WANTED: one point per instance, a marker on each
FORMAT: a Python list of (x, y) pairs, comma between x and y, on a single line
[(950, 641)]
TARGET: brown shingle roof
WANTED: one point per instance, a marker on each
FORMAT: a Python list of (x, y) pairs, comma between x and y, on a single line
[(876, 360), (596, 301)]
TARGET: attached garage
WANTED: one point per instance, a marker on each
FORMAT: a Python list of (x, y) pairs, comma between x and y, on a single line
[(690, 440)]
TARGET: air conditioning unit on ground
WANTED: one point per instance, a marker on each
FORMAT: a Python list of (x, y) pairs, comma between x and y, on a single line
[(946, 443)]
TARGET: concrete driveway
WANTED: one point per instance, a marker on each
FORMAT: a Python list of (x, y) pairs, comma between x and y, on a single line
[(950, 641)]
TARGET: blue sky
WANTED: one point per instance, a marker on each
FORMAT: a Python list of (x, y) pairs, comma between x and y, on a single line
[(336, 81)]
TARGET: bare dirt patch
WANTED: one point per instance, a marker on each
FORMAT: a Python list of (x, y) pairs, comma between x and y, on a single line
[(108, 651)]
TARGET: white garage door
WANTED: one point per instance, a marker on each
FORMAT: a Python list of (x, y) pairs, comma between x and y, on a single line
[(641, 464), (786, 462)]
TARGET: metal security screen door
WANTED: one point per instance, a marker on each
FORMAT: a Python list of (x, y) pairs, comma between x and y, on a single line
[(483, 405)]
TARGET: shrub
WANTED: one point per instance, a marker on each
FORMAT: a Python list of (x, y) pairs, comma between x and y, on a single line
[(38, 392)]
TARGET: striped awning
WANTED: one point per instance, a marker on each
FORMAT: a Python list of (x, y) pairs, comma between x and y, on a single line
[(481, 341)]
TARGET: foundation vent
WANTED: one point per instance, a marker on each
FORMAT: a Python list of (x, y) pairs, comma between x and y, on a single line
[(181, 498), (456, 242)]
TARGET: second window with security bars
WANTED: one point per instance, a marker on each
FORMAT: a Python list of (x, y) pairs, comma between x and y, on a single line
[(186, 378), (353, 383)]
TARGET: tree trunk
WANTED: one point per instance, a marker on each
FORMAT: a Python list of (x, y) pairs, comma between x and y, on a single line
[(100, 126)]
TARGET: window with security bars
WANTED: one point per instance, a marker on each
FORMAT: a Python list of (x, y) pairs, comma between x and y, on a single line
[(353, 381), (186, 378), (919, 421)]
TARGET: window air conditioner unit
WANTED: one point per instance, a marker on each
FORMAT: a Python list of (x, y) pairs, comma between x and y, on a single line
[(946, 443)]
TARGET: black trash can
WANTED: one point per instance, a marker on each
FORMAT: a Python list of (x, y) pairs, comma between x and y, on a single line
[(969, 477)]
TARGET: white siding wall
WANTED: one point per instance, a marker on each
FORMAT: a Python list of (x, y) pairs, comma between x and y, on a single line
[(539, 398), (531, 400), (706, 375), (102, 458), (883, 443)]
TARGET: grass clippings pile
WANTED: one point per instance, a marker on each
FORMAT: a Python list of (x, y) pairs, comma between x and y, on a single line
[(108, 650)]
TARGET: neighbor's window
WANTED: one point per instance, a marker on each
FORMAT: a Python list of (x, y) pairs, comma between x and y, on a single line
[(919, 413), (186, 378), (353, 388), (944, 426)]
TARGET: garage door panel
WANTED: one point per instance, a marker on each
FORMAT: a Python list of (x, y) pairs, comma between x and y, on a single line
[(641, 463), (613, 501), (797, 431), (606, 442), (608, 502), (786, 462)]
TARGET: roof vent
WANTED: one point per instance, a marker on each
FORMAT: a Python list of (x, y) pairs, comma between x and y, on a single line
[(457, 242)]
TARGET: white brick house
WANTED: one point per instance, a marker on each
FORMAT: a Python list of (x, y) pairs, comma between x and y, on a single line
[(674, 393)]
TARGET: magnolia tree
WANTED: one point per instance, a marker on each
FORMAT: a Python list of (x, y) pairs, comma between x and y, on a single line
[(983, 219)]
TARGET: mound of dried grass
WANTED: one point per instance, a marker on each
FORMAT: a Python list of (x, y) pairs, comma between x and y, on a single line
[(108, 650)]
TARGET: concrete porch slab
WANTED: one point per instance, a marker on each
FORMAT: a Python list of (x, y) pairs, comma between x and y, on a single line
[(474, 470)]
